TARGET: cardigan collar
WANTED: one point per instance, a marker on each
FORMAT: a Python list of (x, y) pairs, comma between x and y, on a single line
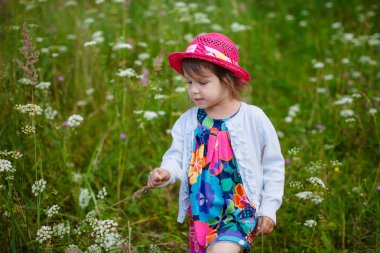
[(190, 126)]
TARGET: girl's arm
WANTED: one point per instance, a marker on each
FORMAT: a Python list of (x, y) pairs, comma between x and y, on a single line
[(172, 159), (273, 170)]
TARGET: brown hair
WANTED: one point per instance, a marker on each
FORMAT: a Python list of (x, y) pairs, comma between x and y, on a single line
[(197, 66)]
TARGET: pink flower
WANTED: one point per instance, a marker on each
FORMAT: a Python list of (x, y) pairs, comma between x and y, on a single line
[(320, 127), (60, 78), (123, 136), (66, 123), (378, 187), (287, 161)]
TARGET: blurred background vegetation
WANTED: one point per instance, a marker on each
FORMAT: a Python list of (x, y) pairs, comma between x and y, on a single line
[(315, 72)]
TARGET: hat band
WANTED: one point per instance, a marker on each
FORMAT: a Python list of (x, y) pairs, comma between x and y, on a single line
[(210, 52)]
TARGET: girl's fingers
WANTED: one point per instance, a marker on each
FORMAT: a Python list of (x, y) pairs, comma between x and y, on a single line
[(265, 225), (157, 177)]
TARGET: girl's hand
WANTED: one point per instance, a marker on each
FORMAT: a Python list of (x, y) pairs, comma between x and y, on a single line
[(157, 177), (265, 225)]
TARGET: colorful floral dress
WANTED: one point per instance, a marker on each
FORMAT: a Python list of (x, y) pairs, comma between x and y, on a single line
[(219, 208)]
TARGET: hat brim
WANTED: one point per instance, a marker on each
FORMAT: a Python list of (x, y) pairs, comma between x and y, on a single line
[(175, 61)]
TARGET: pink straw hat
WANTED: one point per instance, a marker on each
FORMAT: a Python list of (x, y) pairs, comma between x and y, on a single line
[(212, 47)]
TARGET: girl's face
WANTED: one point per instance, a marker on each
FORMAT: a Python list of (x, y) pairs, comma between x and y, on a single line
[(206, 91)]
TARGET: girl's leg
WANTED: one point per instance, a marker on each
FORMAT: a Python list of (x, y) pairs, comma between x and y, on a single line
[(224, 247)]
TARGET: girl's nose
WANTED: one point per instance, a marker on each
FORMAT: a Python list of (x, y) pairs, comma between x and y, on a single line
[(193, 89)]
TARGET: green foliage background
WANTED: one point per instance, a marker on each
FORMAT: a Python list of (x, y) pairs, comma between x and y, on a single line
[(280, 43)]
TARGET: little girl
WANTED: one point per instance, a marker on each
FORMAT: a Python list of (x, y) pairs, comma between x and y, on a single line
[(225, 152)]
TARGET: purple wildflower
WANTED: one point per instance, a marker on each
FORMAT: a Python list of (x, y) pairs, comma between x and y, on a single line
[(66, 123), (320, 127), (60, 78), (123, 136), (287, 161), (378, 187), (145, 79)]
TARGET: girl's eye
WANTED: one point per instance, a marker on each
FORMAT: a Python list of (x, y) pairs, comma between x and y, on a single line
[(188, 82), (203, 83)]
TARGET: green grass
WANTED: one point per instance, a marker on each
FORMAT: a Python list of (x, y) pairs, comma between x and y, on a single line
[(283, 41)]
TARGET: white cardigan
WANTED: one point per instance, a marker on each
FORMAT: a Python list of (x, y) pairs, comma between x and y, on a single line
[(257, 151)]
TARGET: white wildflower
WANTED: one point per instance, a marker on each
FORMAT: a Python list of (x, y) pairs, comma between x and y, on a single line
[(293, 151), (50, 114), (317, 182), (356, 74), (216, 27), (102, 227), (293, 110), (345, 61), (303, 23), (372, 111), (129, 72), (43, 85), (109, 96), (347, 113), (350, 120), (142, 44), (295, 184), (61, 229), (236, 27), (280, 134), (74, 120), (201, 18), (314, 167), (94, 249), (149, 115), (356, 95), (6, 166), (52, 210), (30, 109), (318, 65), (110, 242), (90, 91), (154, 248), (310, 223), (138, 111), (304, 195), (102, 193), (316, 199), (288, 119), (89, 43), (38, 187), (28, 129), (44, 234), (160, 96), (344, 100), (26, 81), (321, 90), (188, 37), (328, 77), (289, 17), (76, 177), (84, 198), (336, 25), (121, 45), (98, 37), (143, 56), (180, 89), (313, 79), (336, 163)]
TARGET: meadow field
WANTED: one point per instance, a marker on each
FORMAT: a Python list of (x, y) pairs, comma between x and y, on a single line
[(88, 100)]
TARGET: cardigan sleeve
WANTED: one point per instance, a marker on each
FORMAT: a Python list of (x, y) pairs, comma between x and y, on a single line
[(273, 166), (172, 159)]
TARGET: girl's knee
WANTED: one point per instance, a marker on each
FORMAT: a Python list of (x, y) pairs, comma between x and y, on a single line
[(223, 247)]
